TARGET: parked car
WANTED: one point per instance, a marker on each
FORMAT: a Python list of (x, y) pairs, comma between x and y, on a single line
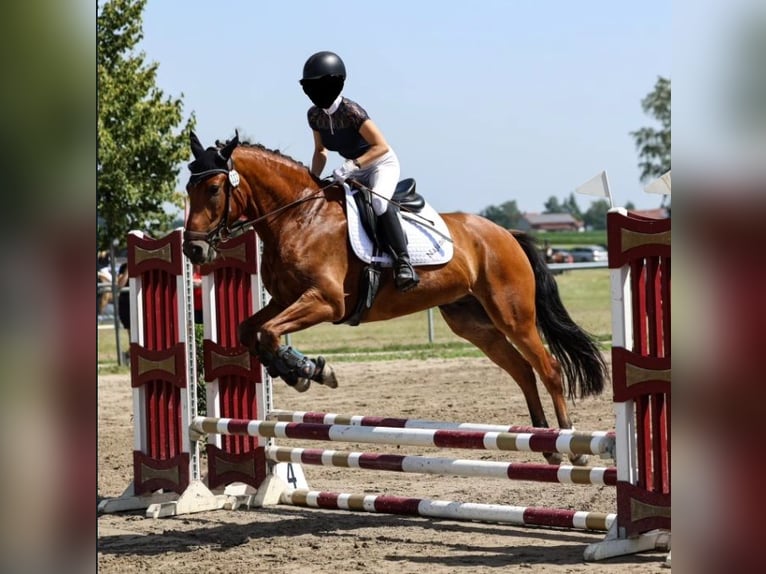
[(589, 253), (559, 255)]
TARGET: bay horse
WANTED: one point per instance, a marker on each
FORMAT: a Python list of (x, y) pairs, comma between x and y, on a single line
[(496, 291)]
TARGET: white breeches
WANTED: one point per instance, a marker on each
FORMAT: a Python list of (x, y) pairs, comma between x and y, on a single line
[(381, 176)]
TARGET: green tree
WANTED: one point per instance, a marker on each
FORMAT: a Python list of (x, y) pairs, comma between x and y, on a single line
[(553, 205), (654, 144), (140, 147), (505, 215), (570, 206), (595, 216), (497, 215)]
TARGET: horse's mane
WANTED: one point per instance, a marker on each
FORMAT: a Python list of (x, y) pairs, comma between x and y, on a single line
[(219, 144)]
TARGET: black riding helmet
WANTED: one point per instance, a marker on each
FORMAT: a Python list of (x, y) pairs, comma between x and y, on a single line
[(323, 77), (323, 64)]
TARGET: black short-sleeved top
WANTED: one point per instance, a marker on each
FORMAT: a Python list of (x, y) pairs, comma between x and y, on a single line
[(340, 131)]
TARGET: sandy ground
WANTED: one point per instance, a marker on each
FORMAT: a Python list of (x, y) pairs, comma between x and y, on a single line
[(286, 539)]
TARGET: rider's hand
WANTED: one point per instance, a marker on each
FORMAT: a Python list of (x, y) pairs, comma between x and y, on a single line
[(341, 174)]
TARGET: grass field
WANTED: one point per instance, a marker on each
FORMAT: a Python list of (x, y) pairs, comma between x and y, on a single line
[(107, 349), (572, 238), (585, 294)]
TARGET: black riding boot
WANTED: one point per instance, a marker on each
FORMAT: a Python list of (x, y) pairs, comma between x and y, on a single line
[(404, 275)]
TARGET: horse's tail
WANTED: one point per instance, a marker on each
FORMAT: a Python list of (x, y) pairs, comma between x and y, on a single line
[(576, 351)]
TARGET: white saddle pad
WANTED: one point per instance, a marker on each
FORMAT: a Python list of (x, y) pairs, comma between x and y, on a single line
[(427, 244)]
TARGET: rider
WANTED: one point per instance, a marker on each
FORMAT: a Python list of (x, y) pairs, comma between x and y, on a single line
[(343, 126)]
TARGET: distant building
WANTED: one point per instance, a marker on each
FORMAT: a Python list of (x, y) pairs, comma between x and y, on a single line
[(549, 222)]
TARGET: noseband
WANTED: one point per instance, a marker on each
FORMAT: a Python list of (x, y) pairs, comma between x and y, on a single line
[(222, 231)]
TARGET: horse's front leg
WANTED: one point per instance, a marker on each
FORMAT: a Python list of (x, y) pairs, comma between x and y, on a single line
[(262, 333), (247, 331)]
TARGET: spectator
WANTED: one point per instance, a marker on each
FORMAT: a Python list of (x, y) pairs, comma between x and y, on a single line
[(103, 280), (123, 300)]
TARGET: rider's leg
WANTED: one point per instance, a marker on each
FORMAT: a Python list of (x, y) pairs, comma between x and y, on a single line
[(405, 276), (382, 177)]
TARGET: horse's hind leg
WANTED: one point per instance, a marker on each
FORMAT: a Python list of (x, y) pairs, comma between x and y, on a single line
[(468, 319), (517, 320)]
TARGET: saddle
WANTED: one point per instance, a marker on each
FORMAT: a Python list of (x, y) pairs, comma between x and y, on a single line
[(404, 197)]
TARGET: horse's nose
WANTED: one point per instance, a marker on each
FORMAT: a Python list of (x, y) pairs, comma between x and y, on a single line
[(194, 252)]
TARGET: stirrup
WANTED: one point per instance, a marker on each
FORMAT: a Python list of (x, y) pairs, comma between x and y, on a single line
[(405, 276)]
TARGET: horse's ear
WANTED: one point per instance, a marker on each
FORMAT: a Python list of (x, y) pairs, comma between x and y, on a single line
[(229, 147), (196, 146)]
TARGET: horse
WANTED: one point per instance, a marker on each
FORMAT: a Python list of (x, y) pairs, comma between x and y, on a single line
[(496, 291)]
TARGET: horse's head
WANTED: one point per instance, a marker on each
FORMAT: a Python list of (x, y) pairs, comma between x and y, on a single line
[(210, 187)]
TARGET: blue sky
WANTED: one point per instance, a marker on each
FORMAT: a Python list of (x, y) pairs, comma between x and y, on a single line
[(484, 101)]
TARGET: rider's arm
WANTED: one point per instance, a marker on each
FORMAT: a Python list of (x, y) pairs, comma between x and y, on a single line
[(319, 159), (378, 145)]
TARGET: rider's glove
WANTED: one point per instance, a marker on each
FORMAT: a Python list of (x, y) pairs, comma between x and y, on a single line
[(341, 174)]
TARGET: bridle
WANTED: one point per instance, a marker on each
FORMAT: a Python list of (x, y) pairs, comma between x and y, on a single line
[(222, 231)]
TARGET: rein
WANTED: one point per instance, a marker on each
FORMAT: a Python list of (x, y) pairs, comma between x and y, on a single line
[(223, 231), (239, 227)]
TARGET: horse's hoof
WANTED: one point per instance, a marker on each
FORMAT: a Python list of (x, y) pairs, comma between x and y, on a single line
[(302, 385), (328, 377), (578, 459), (554, 458)]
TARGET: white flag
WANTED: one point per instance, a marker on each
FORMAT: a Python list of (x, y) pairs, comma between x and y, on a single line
[(660, 186), (598, 186)]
